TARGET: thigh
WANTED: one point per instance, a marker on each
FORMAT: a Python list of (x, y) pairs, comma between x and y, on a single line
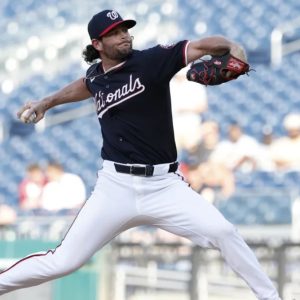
[(109, 210), (182, 211)]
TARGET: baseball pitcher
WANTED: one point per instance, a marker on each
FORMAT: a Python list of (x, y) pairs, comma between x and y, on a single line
[(139, 183)]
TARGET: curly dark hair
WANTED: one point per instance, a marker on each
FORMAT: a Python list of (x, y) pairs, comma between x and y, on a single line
[(90, 54)]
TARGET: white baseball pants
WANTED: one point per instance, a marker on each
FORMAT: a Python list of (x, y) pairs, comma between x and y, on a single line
[(122, 201)]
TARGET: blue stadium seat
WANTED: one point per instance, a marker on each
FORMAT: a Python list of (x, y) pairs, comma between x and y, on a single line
[(250, 206)]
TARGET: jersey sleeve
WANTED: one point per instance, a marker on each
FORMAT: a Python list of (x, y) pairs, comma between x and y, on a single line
[(163, 62)]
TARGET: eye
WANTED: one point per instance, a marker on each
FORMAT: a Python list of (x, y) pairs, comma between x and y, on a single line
[(111, 33), (117, 31)]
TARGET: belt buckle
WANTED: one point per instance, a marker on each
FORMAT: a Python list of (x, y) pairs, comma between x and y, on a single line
[(131, 168), (149, 170), (138, 170)]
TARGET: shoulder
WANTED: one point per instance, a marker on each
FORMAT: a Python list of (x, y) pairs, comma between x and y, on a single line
[(161, 53), (168, 47), (160, 48)]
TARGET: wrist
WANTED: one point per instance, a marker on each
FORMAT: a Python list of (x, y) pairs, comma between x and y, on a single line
[(48, 103)]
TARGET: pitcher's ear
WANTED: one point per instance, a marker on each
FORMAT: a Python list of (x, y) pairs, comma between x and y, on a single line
[(97, 44)]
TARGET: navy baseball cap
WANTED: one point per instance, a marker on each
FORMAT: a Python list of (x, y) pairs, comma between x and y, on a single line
[(104, 21)]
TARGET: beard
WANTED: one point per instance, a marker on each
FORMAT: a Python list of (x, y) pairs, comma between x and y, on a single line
[(115, 53)]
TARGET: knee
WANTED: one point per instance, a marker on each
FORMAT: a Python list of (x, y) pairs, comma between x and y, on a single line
[(65, 263), (224, 231), (69, 265)]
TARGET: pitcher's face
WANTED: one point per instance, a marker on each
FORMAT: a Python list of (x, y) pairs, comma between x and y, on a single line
[(116, 44)]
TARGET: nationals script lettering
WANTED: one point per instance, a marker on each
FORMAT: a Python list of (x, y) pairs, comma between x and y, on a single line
[(105, 101)]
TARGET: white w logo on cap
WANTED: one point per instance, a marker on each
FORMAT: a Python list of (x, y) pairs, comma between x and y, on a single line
[(113, 15)]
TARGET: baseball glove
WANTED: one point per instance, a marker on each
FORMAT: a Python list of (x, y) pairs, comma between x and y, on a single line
[(217, 70)]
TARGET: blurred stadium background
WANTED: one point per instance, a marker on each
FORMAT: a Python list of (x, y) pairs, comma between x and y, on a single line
[(41, 45)]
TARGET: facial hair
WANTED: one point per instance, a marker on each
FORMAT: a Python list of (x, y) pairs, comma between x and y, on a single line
[(115, 53)]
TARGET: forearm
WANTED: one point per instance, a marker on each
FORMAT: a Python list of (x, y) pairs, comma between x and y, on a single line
[(73, 92), (214, 45)]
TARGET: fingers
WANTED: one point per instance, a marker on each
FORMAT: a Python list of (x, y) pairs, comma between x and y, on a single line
[(31, 112), (22, 109)]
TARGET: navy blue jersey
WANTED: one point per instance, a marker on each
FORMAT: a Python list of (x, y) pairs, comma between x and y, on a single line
[(134, 105)]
